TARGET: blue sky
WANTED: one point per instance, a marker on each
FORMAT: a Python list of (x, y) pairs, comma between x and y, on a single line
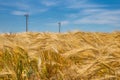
[(83, 15)]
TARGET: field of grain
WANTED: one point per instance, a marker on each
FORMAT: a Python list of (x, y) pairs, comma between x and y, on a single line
[(64, 56)]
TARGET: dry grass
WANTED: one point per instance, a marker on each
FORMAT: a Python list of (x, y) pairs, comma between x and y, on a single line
[(65, 56)]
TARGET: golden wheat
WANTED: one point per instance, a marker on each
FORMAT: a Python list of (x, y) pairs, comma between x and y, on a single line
[(64, 56)]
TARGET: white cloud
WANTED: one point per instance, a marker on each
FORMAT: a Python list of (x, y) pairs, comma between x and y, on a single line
[(65, 22), (19, 13), (85, 12), (104, 17), (96, 16), (49, 3), (89, 11), (21, 7), (31, 12), (76, 4), (38, 10)]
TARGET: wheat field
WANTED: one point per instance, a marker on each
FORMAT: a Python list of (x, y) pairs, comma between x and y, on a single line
[(60, 56)]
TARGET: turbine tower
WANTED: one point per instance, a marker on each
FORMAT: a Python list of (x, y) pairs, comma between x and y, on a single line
[(59, 25), (26, 15)]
